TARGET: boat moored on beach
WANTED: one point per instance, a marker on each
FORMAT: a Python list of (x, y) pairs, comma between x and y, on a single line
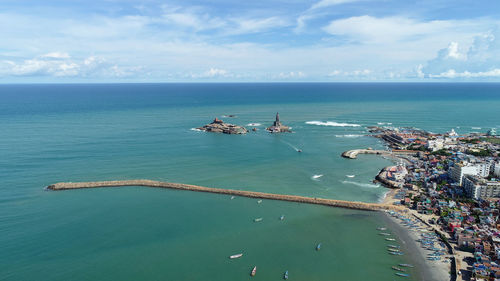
[(398, 268), (405, 265), (390, 239), (402, 274)]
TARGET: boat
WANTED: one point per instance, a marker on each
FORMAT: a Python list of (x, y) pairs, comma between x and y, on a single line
[(286, 275), (396, 253), (254, 271), (390, 239), (257, 219), (382, 228), (232, 197), (402, 274), (350, 176), (393, 246), (236, 256), (282, 217), (385, 234), (318, 247), (260, 201), (393, 250), (405, 265), (299, 150), (397, 268)]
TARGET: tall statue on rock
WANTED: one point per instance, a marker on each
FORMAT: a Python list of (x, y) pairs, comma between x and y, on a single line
[(277, 127)]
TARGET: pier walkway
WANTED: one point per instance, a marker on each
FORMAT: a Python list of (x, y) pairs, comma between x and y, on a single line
[(251, 194)]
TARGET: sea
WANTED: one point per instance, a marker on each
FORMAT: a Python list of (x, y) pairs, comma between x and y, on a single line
[(91, 132)]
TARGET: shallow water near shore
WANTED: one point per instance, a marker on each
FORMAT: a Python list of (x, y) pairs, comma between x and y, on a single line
[(53, 133)]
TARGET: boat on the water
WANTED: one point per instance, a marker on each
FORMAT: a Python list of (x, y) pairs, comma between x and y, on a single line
[(318, 247), (299, 150), (286, 275), (393, 246), (232, 197), (260, 201), (236, 256), (385, 234), (405, 265), (390, 239), (254, 271), (257, 219), (397, 268), (282, 217), (381, 228), (393, 250), (402, 274), (350, 176)]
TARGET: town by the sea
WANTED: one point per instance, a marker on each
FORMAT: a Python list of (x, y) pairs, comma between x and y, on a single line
[(95, 132)]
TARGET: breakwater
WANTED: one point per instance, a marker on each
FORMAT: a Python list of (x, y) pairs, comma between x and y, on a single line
[(353, 154), (251, 194)]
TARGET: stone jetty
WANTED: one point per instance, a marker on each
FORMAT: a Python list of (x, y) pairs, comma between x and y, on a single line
[(218, 126), (353, 154), (251, 194)]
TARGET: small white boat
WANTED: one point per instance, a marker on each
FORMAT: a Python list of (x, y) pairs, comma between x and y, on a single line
[(390, 239), (257, 219), (236, 256), (350, 176), (232, 197), (260, 201), (282, 217), (254, 271)]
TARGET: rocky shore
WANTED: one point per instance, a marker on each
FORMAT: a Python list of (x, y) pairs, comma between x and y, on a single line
[(218, 126)]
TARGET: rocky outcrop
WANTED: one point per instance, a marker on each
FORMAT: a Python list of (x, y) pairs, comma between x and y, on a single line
[(277, 127), (218, 126), (251, 194)]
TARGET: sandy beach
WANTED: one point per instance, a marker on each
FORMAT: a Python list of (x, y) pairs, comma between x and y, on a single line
[(426, 270)]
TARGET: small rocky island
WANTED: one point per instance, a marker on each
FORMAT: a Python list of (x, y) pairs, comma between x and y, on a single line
[(277, 127), (218, 126)]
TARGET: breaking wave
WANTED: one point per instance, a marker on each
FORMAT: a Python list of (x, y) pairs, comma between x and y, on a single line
[(195, 129), (384, 123), (476, 128), (332, 124), (369, 185), (254, 124), (348, 136)]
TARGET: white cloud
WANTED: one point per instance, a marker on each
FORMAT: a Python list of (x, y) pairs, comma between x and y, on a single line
[(358, 72), (291, 75), (328, 3), (56, 55), (451, 73), (246, 26)]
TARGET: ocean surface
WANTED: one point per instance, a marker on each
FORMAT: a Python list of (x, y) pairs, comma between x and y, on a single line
[(53, 133)]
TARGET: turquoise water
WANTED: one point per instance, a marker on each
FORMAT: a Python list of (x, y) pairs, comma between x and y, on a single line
[(52, 133)]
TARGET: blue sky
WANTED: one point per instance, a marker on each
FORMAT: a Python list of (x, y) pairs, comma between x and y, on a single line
[(244, 41)]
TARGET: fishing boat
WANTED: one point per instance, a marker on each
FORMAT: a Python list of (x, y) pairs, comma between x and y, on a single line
[(405, 265), (382, 228), (402, 274), (260, 201), (393, 250), (385, 234), (286, 275), (350, 176), (396, 253), (397, 268), (232, 197), (318, 247), (254, 271), (236, 256), (299, 150), (393, 246), (390, 239), (257, 219), (282, 217)]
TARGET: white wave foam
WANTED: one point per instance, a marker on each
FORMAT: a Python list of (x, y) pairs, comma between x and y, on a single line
[(332, 124), (368, 185), (195, 129), (316, 177), (476, 128), (254, 124), (384, 123), (348, 136)]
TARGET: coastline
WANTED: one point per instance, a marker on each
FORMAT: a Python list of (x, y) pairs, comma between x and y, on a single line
[(424, 270)]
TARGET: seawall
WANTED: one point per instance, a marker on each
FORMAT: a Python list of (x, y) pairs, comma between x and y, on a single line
[(251, 194)]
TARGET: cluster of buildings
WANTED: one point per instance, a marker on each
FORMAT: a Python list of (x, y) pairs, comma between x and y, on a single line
[(455, 178)]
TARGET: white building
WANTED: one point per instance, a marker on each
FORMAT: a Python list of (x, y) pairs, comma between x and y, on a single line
[(497, 169), (435, 144), (458, 171), (479, 188)]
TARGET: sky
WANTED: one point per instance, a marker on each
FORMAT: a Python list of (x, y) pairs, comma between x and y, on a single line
[(60, 41)]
